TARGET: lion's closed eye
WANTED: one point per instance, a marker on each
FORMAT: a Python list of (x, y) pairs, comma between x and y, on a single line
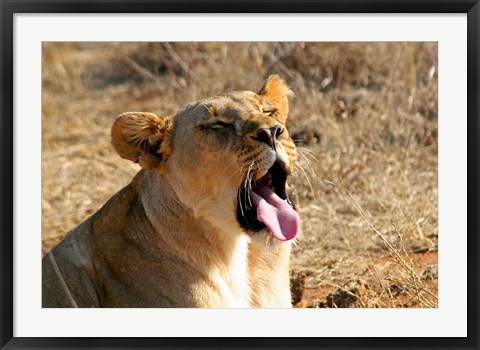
[(217, 125), (270, 112)]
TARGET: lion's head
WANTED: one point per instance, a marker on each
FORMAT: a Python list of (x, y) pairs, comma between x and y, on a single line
[(227, 158)]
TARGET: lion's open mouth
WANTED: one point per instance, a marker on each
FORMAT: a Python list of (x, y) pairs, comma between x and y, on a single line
[(265, 204)]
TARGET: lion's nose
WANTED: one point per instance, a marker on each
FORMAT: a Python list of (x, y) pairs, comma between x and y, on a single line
[(269, 135)]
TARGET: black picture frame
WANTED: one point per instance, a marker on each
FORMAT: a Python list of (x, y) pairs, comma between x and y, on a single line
[(10, 7)]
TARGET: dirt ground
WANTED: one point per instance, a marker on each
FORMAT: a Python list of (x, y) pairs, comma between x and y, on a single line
[(364, 118)]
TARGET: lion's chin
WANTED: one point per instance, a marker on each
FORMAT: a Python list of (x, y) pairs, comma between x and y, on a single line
[(265, 206)]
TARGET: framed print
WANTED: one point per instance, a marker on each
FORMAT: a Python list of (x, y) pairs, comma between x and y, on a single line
[(227, 174)]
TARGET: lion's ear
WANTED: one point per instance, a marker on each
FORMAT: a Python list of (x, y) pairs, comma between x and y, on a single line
[(143, 138), (277, 91)]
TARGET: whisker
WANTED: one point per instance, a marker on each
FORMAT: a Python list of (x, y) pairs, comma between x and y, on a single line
[(247, 179), (226, 181), (249, 189), (308, 152), (307, 178), (207, 108), (239, 187), (240, 201), (228, 166), (305, 161)]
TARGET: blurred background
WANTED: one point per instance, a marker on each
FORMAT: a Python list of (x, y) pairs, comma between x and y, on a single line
[(364, 118)]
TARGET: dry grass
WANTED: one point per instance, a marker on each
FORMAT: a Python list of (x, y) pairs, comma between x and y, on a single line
[(365, 116)]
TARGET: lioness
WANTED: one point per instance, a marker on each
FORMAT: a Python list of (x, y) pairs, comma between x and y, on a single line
[(207, 222)]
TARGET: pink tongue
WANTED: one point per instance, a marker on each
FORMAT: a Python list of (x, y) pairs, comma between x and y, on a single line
[(275, 213)]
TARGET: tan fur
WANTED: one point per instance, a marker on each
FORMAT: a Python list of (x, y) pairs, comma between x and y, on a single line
[(171, 237)]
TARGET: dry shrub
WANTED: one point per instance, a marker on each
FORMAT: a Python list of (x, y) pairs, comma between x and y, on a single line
[(365, 120)]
